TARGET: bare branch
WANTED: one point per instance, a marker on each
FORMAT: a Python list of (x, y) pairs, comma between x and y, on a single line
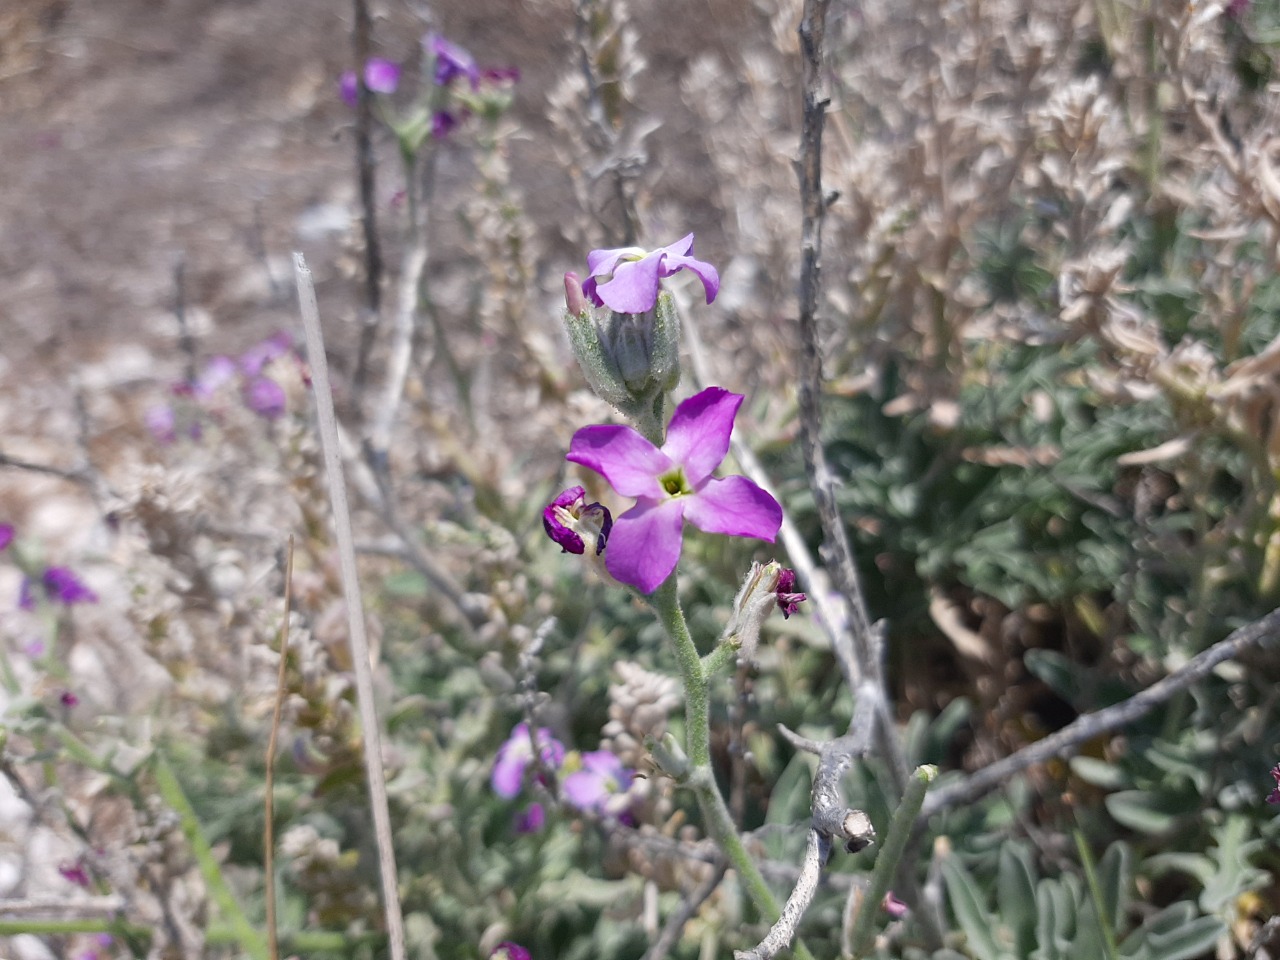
[(1066, 741), (681, 915)]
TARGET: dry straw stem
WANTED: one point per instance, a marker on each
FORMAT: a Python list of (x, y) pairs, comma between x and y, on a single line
[(1067, 741), (355, 607), (269, 835)]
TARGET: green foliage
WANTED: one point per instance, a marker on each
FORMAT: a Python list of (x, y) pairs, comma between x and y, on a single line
[(1064, 918)]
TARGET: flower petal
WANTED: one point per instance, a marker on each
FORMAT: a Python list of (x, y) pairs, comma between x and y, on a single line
[(508, 773), (698, 436), (645, 544), (627, 460), (733, 506), (584, 789), (634, 287), (708, 274)]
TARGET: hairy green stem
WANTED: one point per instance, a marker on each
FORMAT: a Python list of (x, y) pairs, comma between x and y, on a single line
[(666, 604), (895, 842)]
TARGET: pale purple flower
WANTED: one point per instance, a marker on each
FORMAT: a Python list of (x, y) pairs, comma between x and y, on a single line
[(634, 275), (259, 355), (6, 535), (507, 950), (452, 61), (217, 373), (380, 76), (893, 906), (516, 753), (568, 519), (531, 819), (674, 484), (789, 599), (1274, 795), (600, 786), (264, 397), (161, 423)]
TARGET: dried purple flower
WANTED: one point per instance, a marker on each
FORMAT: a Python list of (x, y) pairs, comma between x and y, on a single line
[(789, 599), (74, 873), (571, 522)]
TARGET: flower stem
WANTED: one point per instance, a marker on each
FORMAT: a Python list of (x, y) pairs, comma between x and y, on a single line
[(895, 842), (666, 604)]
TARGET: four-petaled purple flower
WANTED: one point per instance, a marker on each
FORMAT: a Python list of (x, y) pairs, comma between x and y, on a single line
[(789, 598), (635, 274), (60, 586), (6, 535), (507, 950), (451, 61), (569, 520), (380, 76), (600, 786), (516, 753), (1274, 795), (674, 484)]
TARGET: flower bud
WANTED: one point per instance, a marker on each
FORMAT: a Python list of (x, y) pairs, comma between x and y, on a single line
[(752, 605)]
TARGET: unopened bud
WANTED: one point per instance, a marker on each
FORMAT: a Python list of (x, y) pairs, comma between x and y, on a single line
[(751, 606)]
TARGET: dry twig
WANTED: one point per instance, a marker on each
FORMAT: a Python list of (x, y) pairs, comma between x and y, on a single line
[(355, 608)]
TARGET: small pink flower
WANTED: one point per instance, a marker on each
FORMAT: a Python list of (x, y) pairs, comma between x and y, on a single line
[(68, 699), (161, 423), (893, 906), (6, 535), (634, 275), (674, 484), (509, 951), (1274, 795)]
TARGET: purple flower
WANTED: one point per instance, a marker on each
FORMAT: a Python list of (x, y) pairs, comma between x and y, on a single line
[(531, 819), (789, 599), (253, 360), (634, 275), (674, 484), (68, 699), (507, 950), (569, 518), (451, 61), (1274, 795), (264, 397), (893, 906), (74, 873), (516, 753), (60, 586), (380, 76), (6, 535), (217, 373), (161, 423), (600, 786), (443, 123)]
